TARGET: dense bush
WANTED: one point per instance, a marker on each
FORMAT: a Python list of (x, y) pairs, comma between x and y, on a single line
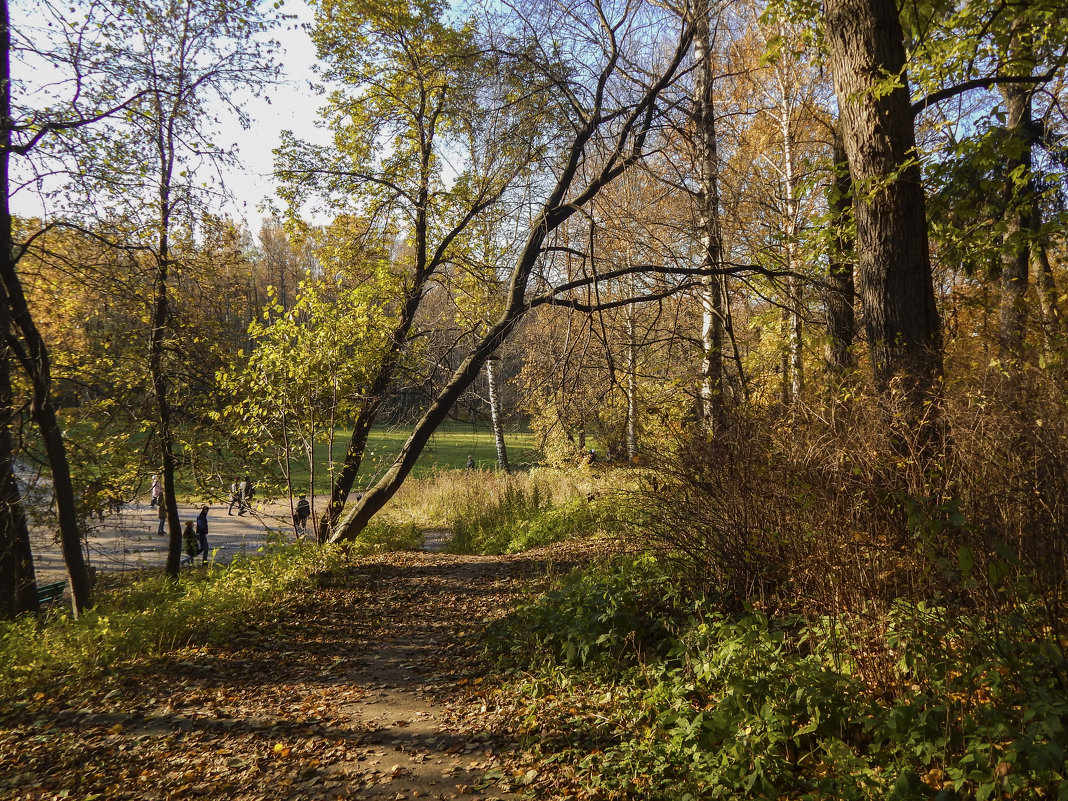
[(612, 617), (745, 706), (839, 509)]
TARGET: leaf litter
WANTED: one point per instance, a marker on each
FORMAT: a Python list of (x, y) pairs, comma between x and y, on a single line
[(369, 686)]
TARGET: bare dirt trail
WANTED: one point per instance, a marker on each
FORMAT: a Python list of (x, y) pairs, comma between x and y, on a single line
[(369, 687)]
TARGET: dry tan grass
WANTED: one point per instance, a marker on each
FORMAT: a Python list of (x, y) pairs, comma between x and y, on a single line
[(430, 502)]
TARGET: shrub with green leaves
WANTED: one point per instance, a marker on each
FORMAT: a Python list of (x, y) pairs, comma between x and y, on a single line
[(714, 706), (608, 616)]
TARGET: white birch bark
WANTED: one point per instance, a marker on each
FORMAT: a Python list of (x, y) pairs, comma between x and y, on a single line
[(713, 298), (495, 413), (632, 387)]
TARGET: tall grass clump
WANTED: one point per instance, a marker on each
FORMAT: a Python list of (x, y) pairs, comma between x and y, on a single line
[(489, 511), (519, 512), (153, 615)]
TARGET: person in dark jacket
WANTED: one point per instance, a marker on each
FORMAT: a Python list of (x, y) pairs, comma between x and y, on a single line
[(189, 539), (301, 515), (202, 533)]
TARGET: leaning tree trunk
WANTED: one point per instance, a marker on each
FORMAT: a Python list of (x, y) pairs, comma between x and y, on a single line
[(365, 418), (867, 57), (35, 358), (558, 207), (492, 364)]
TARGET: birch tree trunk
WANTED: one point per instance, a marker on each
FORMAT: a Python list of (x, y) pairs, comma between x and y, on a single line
[(495, 412), (794, 287), (713, 296), (632, 387)]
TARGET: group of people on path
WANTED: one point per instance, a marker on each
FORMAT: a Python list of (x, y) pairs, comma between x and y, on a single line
[(196, 540), (195, 534), (241, 494)]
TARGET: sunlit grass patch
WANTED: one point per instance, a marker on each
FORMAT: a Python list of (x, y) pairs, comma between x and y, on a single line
[(152, 615)]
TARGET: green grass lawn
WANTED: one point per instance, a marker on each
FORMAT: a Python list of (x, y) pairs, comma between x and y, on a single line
[(448, 448)]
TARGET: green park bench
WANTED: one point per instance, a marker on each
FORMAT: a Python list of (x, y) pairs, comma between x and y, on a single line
[(46, 593)]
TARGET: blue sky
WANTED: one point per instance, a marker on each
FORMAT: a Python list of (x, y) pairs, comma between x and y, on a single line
[(290, 105)]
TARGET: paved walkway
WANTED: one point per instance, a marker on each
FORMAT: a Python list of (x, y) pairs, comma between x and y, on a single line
[(127, 540)]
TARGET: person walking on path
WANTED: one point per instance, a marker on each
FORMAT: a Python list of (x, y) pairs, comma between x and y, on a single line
[(157, 491), (202, 533), (237, 495), (162, 512), (300, 517), (248, 489), (189, 539)]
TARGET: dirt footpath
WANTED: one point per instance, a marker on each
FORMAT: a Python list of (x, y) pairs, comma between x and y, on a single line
[(369, 687)]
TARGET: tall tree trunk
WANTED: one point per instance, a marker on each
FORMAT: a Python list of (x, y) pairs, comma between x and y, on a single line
[(1054, 328), (797, 356), (18, 592), (164, 433), (713, 295), (35, 358), (18, 584), (841, 316), (632, 386), (495, 411), (1020, 223), (784, 356), (867, 55), (794, 288)]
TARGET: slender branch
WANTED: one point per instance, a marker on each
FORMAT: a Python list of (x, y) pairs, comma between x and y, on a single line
[(981, 83)]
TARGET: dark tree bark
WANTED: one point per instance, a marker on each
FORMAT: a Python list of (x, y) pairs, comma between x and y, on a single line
[(160, 320), (17, 581), (901, 319), (1054, 323), (1020, 222), (841, 315), (33, 353), (18, 584)]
